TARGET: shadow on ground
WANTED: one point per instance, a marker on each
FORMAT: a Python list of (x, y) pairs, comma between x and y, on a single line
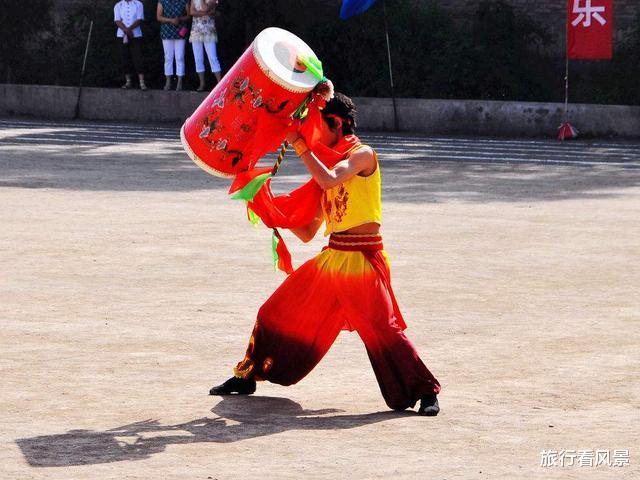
[(161, 165), (251, 417)]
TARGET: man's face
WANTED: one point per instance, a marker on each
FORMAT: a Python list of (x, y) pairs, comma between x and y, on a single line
[(330, 130)]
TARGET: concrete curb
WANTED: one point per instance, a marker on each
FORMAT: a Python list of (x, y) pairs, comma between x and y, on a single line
[(444, 117)]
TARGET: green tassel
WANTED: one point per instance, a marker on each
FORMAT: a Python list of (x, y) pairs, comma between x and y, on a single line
[(274, 252), (253, 218), (250, 189), (302, 111), (313, 64)]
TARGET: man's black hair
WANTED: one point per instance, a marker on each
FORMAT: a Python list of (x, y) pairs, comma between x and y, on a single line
[(343, 107)]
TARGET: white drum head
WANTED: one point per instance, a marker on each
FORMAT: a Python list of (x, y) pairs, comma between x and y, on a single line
[(276, 51)]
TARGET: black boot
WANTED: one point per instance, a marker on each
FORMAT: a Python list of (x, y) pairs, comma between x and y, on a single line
[(429, 405), (235, 385)]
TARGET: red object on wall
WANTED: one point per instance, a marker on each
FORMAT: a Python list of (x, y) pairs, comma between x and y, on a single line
[(590, 29), (567, 131)]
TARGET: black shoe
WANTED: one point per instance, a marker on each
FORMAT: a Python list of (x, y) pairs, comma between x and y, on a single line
[(235, 385), (429, 405)]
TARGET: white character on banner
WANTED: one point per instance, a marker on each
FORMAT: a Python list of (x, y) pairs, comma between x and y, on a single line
[(586, 13)]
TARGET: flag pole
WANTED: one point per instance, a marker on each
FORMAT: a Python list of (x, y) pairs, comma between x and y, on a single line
[(566, 130), (566, 90), (393, 95), (84, 62), (566, 70)]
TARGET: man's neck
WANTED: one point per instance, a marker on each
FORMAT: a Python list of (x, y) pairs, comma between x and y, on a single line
[(337, 140)]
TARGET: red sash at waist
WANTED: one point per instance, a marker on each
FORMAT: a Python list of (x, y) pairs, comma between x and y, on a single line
[(352, 242), (371, 246)]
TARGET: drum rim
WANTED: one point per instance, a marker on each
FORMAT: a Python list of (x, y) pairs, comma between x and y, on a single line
[(266, 70), (197, 160)]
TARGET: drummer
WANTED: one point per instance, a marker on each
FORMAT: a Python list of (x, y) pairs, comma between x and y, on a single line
[(347, 286)]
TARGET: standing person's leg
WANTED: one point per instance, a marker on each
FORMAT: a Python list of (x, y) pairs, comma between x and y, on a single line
[(294, 329), (212, 54), (179, 51), (138, 60), (168, 47), (198, 57), (403, 377), (127, 65)]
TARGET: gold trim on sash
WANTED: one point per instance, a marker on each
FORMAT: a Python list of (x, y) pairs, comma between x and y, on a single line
[(346, 235), (354, 243)]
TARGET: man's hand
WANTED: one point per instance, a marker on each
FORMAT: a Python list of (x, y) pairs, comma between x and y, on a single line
[(292, 136), (307, 232), (325, 89)]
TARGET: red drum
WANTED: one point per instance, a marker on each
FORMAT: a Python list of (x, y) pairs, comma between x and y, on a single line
[(247, 114)]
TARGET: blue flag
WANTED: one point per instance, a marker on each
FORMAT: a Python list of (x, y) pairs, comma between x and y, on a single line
[(354, 7)]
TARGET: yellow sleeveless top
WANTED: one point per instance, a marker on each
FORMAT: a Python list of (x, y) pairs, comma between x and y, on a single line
[(354, 202)]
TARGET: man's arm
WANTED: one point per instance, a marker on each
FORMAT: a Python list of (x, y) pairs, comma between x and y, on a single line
[(309, 231), (117, 18), (139, 17), (360, 162), (356, 164)]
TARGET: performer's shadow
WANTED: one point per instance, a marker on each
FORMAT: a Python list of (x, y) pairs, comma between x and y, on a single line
[(250, 417)]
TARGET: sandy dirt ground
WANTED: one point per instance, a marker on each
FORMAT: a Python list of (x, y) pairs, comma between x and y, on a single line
[(129, 285)]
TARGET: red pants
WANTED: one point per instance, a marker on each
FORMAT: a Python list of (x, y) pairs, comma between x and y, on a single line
[(346, 286)]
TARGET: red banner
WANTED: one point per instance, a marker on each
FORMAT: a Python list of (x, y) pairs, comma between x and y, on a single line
[(590, 29)]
